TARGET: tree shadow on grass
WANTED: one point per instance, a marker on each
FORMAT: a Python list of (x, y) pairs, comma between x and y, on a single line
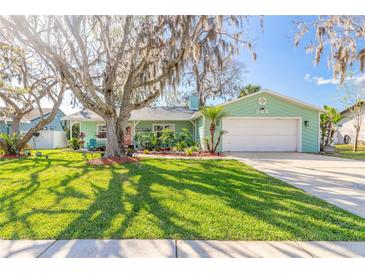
[(286, 211), (97, 221), (11, 201), (191, 199)]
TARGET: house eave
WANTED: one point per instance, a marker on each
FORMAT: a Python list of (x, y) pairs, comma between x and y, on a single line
[(130, 120), (289, 99)]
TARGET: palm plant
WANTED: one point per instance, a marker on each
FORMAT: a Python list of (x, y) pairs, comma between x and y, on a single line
[(329, 120), (167, 138), (213, 114), (10, 143), (249, 89)]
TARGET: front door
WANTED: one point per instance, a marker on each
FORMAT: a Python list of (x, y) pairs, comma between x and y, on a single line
[(128, 136)]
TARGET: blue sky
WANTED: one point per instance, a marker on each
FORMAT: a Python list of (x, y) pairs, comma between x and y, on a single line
[(283, 68)]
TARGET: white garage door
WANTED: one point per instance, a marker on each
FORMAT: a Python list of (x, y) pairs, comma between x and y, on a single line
[(260, 134)]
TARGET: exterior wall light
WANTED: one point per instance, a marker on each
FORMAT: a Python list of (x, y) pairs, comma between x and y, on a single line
[(306, 123)]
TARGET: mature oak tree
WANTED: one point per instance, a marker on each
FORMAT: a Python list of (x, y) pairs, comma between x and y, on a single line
[(219, 80), (116, 64), (24, 81)]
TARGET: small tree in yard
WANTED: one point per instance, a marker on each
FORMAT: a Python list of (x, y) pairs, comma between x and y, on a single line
[(213, 114), (24, 81), (117, 64), (358, 113), (329, 121), (354, 101)]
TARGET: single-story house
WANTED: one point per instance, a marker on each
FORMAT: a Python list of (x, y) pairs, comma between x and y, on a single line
[(263, 121), (345, 128), (50, 137)]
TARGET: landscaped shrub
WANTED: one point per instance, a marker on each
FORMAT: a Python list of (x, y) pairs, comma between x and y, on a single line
[(146, 140), (168, 140), (74, 143), (189, 151), (9, 143), (77, 143), (184, 137)]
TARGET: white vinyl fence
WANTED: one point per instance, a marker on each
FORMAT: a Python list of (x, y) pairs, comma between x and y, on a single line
[(49, 139)]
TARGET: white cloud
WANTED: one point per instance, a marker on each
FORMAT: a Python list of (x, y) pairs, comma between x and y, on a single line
[(331, 81), (320, 80)]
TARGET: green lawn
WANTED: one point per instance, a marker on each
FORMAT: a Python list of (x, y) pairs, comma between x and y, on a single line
[(64, 198), (345, 151)]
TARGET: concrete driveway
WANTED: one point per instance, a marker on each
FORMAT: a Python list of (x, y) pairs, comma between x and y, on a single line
[(338, 181)]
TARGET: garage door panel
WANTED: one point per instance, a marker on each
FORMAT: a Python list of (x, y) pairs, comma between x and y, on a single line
[(260, 135), (265, 131), (261, 143)]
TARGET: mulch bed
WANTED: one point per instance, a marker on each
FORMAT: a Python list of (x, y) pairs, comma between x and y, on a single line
[(111, 161), (13, 156), (195, 154)]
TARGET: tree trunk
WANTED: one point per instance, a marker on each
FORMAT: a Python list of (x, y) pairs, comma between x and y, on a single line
[(114, 138), (329, 127), (15, 128), (212, 131), (323, 137), (198, 85), (27, 136), (356, 139)]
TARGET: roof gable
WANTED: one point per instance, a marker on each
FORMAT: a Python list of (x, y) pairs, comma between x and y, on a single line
[(265, 91), (144, 114), (32, 115), (289, 99)]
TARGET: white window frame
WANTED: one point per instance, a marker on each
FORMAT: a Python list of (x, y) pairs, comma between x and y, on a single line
[(172, 127), (97, 130)]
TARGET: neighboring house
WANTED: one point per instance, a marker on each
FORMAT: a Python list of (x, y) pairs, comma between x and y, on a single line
[(346, 130), (264, 121), (52, 135), (6, 122)]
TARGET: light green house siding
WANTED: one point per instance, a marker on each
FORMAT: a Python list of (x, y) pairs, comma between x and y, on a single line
[(90, 128), (199, 130), (179, 125), (275, 107)]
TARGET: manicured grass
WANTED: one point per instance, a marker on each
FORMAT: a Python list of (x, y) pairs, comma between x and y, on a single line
[(64, 198), (345, 151)]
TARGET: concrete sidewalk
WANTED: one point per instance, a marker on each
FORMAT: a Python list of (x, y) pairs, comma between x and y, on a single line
[(178, 249)]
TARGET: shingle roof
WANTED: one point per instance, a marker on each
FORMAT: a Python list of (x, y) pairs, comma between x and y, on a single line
[(6, 118), (162, 113), (83, 115), (361, 102), (33, 114), (144, 114)]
